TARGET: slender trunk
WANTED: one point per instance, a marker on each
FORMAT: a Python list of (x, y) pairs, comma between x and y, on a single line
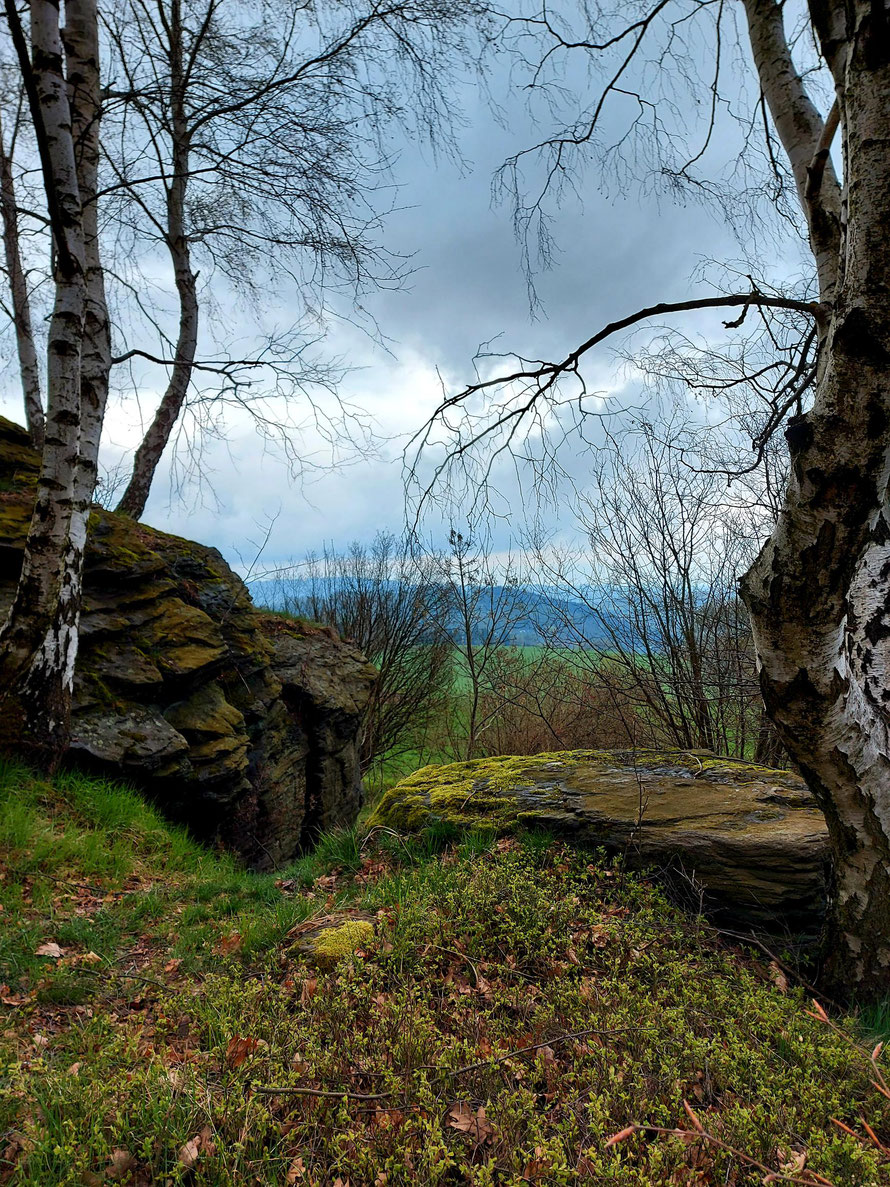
[(155, 441), (38, 641), (700, 702), (817, 594), (29, 368), (82, 56)]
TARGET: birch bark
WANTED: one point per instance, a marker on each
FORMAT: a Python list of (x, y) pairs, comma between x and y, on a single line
[(38, 641), (29, 368), (818, 591)]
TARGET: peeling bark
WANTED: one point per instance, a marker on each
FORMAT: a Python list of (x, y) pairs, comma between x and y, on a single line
[(38, 641), (818, 591)]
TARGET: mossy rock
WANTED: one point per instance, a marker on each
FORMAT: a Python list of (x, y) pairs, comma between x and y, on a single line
[(332, 944), (752, 839), (248, 734)]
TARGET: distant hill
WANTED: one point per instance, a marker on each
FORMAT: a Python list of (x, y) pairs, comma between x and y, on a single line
[(544, 614)]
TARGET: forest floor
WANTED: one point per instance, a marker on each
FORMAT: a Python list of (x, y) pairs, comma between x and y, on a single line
[(475, 1011)]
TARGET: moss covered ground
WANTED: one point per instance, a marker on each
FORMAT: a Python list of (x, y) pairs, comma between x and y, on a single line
[(506, 1009)]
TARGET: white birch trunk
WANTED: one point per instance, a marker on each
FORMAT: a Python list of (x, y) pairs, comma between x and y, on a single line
[(39, 638), (818, 592)]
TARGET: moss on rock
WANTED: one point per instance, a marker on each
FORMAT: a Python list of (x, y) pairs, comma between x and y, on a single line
[(247, 734), (334, 943), (750, 837)]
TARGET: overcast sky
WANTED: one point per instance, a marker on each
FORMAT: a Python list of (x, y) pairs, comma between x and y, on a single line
[(613, 256)]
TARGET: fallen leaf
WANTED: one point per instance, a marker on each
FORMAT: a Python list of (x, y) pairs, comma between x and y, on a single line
[(90, 958), (190, 1152), (538, 1165), (296, 1171), (229, 944), (8, 998), (462, 1117), (239, 1049), (120, 1164), (794, 1162), (51, 949), (777, 977)]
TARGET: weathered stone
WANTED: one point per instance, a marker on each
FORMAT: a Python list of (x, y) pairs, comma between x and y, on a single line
[(752, 838), (238, 723), (137, 742)]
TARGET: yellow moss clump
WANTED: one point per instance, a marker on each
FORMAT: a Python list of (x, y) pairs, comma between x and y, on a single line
[(478, 793), (334, 943)]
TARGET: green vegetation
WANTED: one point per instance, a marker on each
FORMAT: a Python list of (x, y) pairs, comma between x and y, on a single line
[(499, 1010)]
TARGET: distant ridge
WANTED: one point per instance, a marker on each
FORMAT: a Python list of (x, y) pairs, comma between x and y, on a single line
[(546, 616)]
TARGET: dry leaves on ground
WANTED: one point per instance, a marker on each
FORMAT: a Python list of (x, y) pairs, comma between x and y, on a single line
[(464, 1118)]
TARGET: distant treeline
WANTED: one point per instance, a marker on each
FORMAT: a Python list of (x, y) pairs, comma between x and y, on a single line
[(480, 656)]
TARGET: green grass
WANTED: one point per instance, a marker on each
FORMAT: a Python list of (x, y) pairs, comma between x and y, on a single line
[(518, 1004)]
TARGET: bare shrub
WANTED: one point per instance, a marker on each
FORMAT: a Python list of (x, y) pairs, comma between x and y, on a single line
[(389, 602)]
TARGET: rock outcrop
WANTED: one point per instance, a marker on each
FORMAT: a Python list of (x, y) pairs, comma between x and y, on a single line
[(751, 838), (241, 724)]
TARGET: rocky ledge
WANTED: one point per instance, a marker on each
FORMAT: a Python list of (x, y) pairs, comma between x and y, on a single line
[(749, 839), (243, 725)]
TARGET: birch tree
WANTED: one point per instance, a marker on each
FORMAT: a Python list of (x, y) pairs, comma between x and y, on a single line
[(818, 592), (38, 641)]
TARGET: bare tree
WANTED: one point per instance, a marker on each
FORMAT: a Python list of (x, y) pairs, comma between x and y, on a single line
[(19, 310), (249, 139), (665, 633), (541, 698), (248, 144), (388, 599), (818, 592), (486, 602)]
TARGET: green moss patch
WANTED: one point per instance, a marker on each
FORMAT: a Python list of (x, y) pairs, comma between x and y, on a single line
[(520, 1003)]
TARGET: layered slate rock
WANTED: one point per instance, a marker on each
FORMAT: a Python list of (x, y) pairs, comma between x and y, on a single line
[(751, 838), (242, 725)]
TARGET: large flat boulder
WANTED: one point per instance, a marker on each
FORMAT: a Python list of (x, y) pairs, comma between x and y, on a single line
[(751, 838), (241, 724)]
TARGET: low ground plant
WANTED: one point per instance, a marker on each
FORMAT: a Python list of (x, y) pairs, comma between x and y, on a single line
[(505, 1009)]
